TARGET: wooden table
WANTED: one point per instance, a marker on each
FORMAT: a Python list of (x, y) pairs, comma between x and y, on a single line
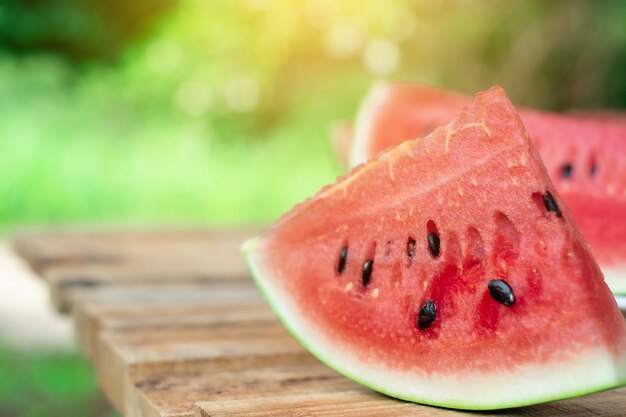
[(175, 327)]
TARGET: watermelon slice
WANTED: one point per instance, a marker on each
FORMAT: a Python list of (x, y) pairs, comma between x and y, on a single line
[(584, 154), (447, 271)]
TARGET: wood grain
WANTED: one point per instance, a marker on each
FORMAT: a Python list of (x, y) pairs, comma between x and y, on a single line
[(176, 328), (174, 395), (360, 402), (64, 298), (79, 262), (219, 249), (93, 317), (65, 281), (123, 355)]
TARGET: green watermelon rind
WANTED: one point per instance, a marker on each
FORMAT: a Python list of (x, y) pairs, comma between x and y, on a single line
[(615, 278), (248, 248)]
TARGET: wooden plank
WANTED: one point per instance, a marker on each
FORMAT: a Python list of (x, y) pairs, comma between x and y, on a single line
[(79, 262), (45, 249), (124, 355), (143, 294), (64, 296), (366, 403), (357, 401), (244, 290), (174, 394), (205, 269), (93, 317), (147, 396), (172, 322)]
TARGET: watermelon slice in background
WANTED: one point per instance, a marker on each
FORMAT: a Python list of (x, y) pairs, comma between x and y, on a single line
[(585, 155), (341, 137), (447, 271)]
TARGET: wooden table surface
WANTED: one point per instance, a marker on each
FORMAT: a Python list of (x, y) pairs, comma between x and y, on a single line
[(175, 327)]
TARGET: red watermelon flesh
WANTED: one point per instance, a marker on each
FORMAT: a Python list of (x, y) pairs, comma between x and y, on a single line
[(397, 275), (584, 154)]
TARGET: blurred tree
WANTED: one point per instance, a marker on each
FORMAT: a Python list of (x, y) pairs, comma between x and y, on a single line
[(78, 29)]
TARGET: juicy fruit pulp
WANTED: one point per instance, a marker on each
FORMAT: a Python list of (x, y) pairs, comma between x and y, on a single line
[(505, 307), (585, 156)]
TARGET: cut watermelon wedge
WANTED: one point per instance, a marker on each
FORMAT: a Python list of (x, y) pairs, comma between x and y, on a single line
[(584, 154), (447, 271)]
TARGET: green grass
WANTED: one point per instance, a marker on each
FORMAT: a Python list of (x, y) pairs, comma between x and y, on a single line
[(48, 384)]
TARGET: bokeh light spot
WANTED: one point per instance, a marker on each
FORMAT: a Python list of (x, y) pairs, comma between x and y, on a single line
[(381, 56), (193, 98), (344, 40), (242, 94), (164, 57), (320, 13)]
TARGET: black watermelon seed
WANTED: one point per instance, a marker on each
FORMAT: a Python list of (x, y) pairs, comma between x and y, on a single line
[(567, 170), (548, 201), (433, 244), (410, 247), (593, 170), (426, 315), (367, 271), (501, 291), (343, 258)]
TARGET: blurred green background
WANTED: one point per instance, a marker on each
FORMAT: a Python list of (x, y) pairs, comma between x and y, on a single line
[(218, 112)]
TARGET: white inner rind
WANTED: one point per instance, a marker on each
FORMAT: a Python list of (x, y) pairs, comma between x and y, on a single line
[(615, 278), (364, 123), (590, 370)]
